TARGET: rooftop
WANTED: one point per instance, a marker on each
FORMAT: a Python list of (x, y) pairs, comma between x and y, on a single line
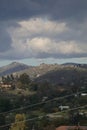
[(71, 128)]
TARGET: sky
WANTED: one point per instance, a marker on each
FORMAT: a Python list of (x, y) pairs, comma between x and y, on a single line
[(43, 31)]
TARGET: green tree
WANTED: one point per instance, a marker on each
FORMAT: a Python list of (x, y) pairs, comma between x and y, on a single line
[(12, 77), (24, 79), (19, 123), (3, 79), (5, 105), (2, 122)]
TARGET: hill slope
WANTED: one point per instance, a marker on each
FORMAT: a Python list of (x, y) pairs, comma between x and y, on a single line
[(65, 76), (12, 68)]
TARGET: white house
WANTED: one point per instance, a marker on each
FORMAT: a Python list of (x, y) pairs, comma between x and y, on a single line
[(83, 94), (63, 107)]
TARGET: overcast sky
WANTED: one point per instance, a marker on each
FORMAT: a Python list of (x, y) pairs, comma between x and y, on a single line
[(35, 31)]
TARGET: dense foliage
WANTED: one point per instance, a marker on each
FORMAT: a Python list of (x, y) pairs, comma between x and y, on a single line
[(41, 99)]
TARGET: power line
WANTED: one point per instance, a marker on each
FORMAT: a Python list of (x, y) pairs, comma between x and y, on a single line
[(36, 104), (32, 105), (39, 117)]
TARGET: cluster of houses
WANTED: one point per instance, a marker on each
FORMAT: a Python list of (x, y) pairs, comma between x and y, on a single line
[(5, 86)]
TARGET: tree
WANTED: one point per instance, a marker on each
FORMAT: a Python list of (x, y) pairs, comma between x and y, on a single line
[(7, 79), (19, 123), (5, 105), (3, 79), (12, 77), (2, 122), (74, 117), (24, 79)]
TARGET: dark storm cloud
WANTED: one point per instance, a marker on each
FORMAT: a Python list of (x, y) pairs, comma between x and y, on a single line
[(60, 55), (69, 9), (5, 38), (56, 9), (71, 12), (5, 41), (17, 9)]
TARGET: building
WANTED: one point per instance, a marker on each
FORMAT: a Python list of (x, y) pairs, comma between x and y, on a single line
[(63, 107), (72, 128)]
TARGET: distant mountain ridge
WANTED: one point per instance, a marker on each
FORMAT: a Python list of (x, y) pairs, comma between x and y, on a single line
[(76, 64), (12, 68), (43, 71), (66, 75)]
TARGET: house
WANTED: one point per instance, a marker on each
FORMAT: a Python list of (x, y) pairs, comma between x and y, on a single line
[(83, 94), (62, 128), (63, 107), (5, 86), (71, 128), (44, 99)]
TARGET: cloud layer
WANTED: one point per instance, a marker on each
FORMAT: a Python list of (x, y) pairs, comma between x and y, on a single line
[(56, 9), (38, 29)]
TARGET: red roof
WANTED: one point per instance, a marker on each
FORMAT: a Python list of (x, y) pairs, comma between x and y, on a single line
[(70, 127), (62, 128)]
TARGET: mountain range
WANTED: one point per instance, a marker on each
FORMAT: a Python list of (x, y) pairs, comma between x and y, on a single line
[(12, 68), (54, 73)]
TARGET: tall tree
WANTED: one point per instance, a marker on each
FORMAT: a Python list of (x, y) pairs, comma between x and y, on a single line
[(19, 123), (24, 79)]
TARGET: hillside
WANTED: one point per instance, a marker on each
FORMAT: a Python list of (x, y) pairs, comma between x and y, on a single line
[(76, 65), (64, 74), (42, 99), (58, 74), (12, 68), (40, 70)]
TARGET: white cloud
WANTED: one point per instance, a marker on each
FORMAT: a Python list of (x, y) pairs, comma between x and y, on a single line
[(38, 25), (35, 46), (69, 47), (28, 40), (50, 46)]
